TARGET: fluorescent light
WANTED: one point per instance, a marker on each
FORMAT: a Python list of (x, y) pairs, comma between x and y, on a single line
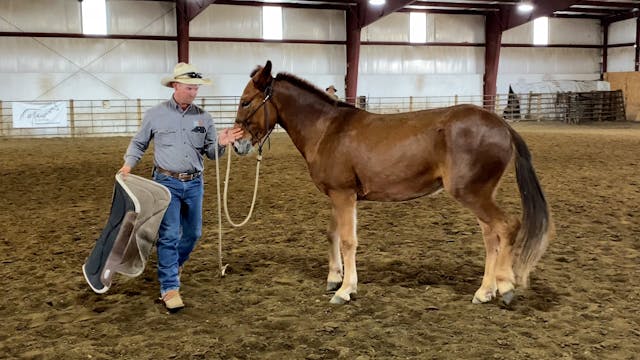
[(525, 7), (377, 2)]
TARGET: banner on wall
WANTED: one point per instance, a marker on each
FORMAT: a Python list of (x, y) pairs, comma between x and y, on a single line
[(39, 115)]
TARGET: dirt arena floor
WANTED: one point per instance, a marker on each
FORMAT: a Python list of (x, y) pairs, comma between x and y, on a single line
[(419, 263)]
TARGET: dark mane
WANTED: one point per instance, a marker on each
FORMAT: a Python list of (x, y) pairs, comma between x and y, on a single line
[(311, 88)]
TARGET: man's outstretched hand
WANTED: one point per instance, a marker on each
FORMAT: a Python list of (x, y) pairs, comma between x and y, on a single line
[(229, 135)]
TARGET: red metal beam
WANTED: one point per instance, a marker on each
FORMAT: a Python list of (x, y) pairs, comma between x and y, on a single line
[(451, 5), (493, 40), (353, 55), (368, 13), (187, 10), (510, 17), (608, 4)]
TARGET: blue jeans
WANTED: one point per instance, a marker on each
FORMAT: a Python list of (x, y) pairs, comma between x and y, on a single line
[(180, 229)]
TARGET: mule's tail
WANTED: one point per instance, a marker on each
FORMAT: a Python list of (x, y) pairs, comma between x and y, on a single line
[(537, 225)]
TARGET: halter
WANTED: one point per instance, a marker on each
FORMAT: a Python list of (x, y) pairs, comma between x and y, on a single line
[(268, 92)]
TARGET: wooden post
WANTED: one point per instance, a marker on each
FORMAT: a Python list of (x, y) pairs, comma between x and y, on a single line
[(410, 103), (637, 47), (529, 105), (72, 119), (605, 49), (1, 120), (455, 99), (139, 112)]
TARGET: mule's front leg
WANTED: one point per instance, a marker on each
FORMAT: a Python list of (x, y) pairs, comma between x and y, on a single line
[(344, 217), (334, 279)]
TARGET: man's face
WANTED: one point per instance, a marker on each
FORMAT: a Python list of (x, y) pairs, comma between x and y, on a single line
[(184, 93)]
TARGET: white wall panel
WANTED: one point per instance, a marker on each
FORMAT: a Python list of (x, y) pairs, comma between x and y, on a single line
[(575, 31), (393, 59), (45, 55), (58, 16), (393, 27), (312, 24), (561, 31), (135, 57), (549, 60), (228, 21), (622, 32), (456, 28), (390, 71), (522, 34), (229, 64), (141, 17), (621, 59), (66, 68), (372, 85)]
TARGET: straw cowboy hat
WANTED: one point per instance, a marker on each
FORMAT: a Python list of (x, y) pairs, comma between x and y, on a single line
[(331, 87), (185, 74)]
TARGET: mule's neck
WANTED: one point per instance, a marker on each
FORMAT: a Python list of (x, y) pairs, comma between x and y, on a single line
[(304, 115)]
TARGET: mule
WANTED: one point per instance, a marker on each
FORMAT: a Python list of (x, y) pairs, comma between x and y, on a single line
[(354, 155)]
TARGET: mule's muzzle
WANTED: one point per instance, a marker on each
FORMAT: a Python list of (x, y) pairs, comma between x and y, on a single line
[(242, 146)]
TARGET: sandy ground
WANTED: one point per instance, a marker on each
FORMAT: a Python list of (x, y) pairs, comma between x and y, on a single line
[(419, 263)]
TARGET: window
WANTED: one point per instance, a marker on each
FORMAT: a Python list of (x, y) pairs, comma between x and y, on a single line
[(272, 22), (94, 17), (541, 31), (417, 27)]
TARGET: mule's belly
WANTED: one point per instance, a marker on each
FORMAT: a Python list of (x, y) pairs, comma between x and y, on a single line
[(401, 190)]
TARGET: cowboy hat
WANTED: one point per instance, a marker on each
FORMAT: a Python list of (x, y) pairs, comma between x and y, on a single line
[(185, 74), (331, 87)]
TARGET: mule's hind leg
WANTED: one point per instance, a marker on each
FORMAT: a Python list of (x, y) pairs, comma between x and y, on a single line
[(487, 290), (498, 275), (505, 277), (334, 279), (343, 209)]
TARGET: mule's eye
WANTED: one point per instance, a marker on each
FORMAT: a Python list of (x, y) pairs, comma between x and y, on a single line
[(246, 103)]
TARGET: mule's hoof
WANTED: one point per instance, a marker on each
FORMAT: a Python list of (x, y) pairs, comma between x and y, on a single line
[(507, 297), (333, 286), (337, 300), (478, 300)]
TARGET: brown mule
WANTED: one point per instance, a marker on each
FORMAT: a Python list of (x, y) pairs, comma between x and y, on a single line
[(356, 155)]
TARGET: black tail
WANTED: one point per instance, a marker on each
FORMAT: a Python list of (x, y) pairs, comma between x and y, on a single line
[(537, 226)]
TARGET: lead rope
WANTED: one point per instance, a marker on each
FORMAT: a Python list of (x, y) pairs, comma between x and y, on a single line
[(223, 268), (226, 187)]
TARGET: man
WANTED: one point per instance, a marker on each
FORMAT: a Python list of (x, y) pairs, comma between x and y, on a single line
[(331, 90), (182, 133)]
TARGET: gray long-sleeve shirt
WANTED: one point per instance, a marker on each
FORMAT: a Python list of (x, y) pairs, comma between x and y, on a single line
[(180, 138)]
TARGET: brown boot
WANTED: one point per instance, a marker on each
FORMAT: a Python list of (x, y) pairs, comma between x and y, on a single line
[(172, 301)]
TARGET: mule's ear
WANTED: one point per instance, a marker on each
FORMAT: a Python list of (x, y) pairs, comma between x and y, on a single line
[(267, 67), (263, 77)]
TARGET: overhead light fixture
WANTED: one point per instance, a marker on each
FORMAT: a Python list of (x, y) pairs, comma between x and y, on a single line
[(377, 2), (525, 7)]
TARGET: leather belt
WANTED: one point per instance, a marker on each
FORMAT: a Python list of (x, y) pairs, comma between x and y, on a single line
[(180, 176)]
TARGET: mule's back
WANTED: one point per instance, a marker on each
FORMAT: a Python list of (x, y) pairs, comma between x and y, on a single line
[(392, 157)]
